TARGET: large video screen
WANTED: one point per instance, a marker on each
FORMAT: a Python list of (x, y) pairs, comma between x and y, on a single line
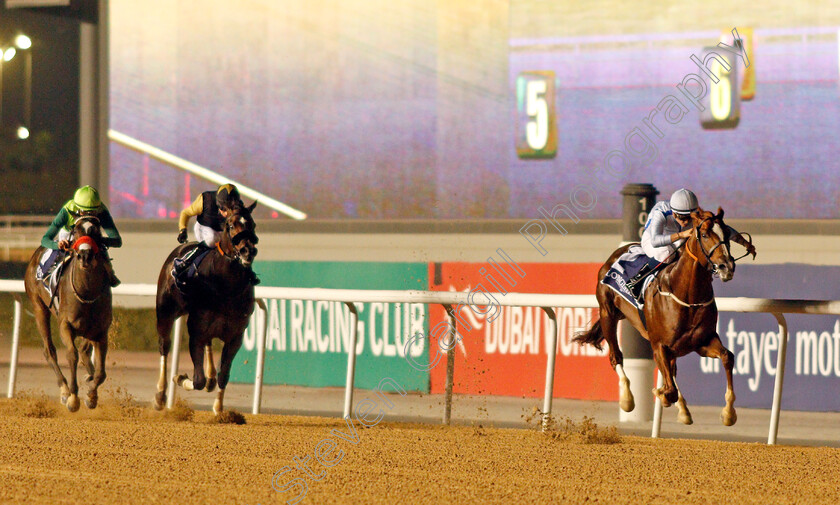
[(477, 109)]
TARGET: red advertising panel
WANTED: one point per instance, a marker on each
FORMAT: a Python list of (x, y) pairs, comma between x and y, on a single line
[(504, 351)]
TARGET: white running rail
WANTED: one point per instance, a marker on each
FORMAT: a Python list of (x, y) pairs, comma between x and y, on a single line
[(448, 298)]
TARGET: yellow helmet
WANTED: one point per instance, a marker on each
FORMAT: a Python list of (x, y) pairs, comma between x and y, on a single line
[(226, 196), (86, 198)]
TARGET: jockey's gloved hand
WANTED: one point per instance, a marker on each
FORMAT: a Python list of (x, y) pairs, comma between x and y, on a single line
[(182, 236)]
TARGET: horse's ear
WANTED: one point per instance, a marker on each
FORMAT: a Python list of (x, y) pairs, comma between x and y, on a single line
[(720, 212), (252, 206)]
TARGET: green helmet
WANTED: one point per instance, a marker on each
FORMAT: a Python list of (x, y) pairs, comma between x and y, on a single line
[(86, 198)]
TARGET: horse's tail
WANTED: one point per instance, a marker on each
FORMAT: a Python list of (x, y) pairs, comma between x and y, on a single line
[(593, 335)]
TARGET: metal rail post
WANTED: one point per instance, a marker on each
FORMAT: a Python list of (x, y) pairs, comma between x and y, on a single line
[(261, 330), (351, 361), (15, 345), (780, 378), (657, 410), (551, 352), (450, 366)]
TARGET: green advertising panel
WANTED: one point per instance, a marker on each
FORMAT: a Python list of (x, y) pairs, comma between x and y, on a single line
[(307, 341)]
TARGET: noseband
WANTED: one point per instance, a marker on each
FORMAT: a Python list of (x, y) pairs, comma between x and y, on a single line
[(244, 235)]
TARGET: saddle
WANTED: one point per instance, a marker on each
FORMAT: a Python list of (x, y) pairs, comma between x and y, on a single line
[(49, 272), (185, 268), (624, 269)]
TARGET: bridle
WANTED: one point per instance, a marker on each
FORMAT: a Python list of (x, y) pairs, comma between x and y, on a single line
[(235, 239), (726, 241), (85, 239)]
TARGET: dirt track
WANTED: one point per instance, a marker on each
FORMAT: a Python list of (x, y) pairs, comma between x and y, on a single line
[(126, 455)]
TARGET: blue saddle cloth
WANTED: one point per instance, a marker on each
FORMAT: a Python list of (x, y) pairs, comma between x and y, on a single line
[(624, 269)]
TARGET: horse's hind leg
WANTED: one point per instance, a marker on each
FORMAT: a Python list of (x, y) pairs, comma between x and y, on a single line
[(209, 368), (68, 338), (715, 349), (608, 324), (229, 350), (42, 320), (99, 374)]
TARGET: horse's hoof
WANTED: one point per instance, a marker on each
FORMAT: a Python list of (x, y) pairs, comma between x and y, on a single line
[(728, 418), (217, 407), (685, 418), (91, 403), (179, 379), (211, 385), (160, 400), (64, 399), (627, 404), (662, 399), (73, 403)]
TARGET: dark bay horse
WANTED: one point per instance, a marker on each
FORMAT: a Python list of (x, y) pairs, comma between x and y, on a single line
[(680, 312), (219, 306), (83, 298)]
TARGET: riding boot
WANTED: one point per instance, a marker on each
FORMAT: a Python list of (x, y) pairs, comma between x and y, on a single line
[(44, 269), (112, 277), (641, 274), (180, 265), (636, 287)]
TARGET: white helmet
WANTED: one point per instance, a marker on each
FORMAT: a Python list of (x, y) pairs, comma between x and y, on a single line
[(683, 201)]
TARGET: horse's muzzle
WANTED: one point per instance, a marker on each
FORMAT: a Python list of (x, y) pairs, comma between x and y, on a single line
[(725, 272), (247, 254)]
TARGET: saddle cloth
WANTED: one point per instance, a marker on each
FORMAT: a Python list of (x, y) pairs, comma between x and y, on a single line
[(50, 279), (625, 267)]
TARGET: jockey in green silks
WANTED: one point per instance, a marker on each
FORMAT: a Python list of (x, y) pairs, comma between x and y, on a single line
[(85, 202)]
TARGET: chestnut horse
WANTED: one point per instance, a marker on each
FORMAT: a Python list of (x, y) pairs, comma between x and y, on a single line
[(680, 312), (84, 310), (218, 305)]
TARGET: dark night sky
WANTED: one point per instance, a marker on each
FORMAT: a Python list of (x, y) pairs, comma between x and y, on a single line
[(55, 79)]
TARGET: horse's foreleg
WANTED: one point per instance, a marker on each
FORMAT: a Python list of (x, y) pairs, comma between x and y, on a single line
[(197, 354), (209, 368), (99, 374), (229, 350), (42, 321), (608, 328), (684, 415), (85, 350), (715, 349), (68, 338), (668, 393)]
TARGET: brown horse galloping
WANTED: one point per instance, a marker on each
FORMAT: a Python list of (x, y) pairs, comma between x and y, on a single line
[(680, 312), (219, 306), (84, 310)]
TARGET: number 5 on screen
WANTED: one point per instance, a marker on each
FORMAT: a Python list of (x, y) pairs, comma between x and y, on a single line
[(536, 130)]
